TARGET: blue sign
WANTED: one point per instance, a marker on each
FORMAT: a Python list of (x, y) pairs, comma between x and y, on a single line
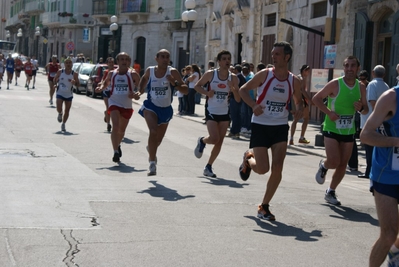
[(86, 35), (330, 54)]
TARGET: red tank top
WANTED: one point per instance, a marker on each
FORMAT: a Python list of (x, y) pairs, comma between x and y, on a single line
[(52, 70)]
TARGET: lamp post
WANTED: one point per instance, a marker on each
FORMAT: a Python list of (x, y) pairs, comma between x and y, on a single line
[(189, 16), (8, 35), (114, 28), (37, 34), (19, 35)]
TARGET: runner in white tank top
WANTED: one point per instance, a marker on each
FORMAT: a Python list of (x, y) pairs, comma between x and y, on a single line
[(270, 121), (63, 82), (123, 82), (221, 82)]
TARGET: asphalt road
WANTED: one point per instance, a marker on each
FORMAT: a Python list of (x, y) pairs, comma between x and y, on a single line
[(63, 202)]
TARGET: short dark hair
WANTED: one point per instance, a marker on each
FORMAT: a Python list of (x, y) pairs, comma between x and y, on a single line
[(221, 53), (261, 66), (211, 63), (238, 68), (352, 58), (287, 48), (364, 73)]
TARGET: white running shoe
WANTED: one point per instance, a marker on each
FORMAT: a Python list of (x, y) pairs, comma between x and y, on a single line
[(59, 118), (152, 170), (208, 172), (51, 102), (332, 198), (321, 173)]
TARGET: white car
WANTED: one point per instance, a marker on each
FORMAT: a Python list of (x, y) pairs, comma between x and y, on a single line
[(84, 70)]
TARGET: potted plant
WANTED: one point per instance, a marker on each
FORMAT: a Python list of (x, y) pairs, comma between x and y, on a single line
[(3, 20), (85, 15)]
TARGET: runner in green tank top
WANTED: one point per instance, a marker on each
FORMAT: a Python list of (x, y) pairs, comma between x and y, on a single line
[(345, 96)]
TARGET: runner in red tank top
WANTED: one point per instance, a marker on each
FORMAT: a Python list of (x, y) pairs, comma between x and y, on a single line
[(18, 68), (52, 69), (28, 67)]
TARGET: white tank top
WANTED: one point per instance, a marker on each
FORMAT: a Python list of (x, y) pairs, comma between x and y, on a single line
[(218, 104), (1, 65), (274, 95), (121, 86), (159, 89), (64, 88)]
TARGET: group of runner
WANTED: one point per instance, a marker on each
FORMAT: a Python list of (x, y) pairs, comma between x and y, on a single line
[(11, 65)]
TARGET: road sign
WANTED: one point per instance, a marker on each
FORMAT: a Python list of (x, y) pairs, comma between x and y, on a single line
[(320, 78), (70, 46), (330, 55), (45, 41)]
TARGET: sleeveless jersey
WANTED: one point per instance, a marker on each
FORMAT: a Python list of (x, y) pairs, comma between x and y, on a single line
[(52, 70), (10, 64), (1, 65), (18, 65), (274, 95), (159, 90), (28, 67), (218, 104), (104, 77), (385, 163), (121, 86), (342, 104), (64, 87)]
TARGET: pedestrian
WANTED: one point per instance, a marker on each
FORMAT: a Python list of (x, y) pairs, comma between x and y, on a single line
[(10, 70), (18, 68), (63, 82), (136, 66), (307, 100), (270, 121), (374, 90), (52, 69), (28, 68), (345, 96), (157, 109), (2, 67), (246, 111), (235, 106), (384, 174), (221, 83), (123, 83), (180, 96), (35, 69), (195, 75), (107, 92)]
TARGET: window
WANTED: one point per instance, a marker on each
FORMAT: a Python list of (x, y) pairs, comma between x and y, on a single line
[(270, 20), (319, 9)]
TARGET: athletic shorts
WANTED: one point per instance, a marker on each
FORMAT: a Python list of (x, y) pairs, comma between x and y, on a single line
[(125, 112), (217, 118), (164, 114), (10, 70), (34, 72), (391, 190), (340, 137), (64, 98), (107, 94), (268, 135)]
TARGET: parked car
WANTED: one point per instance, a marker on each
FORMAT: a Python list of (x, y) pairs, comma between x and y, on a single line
[(96, 76), (84, 71)]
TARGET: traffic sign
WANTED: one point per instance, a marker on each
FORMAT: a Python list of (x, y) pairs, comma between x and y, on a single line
[(70, 46), (45, 41), (320, 78)]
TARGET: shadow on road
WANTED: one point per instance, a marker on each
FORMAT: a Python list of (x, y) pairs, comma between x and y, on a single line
[(281, 229), (352, 215), (121, 167), (164, 192), (223, 182), (65, 133)]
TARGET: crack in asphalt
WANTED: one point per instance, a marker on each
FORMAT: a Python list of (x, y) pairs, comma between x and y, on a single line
[(73, 248)]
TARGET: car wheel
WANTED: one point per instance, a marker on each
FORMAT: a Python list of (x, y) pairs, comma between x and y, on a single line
[(77, 91)]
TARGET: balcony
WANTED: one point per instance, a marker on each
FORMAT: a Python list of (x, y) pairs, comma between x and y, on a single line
[(50, 18), (35, 7), (76, 21), (103, 9), (135, 8)]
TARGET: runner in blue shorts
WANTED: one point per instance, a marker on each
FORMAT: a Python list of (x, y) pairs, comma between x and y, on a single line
[(10, 63), (157, 109)]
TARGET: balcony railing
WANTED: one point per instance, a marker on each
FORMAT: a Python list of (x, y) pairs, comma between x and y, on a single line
[(50, 18), (104, 7), (134, 6), (34, 7), (76, 21)]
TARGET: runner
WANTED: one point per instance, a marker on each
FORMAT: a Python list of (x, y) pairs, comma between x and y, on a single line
[(123, 82), (18, 68), (52, 69), (275, 87), (221, 82), (35, 69), (2, 66), (63, 82), (10, 63), (28, 67), (157, 110), (106, 92)]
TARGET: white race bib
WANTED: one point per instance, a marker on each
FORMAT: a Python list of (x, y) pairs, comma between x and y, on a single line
[(395, 159), (344, 122)]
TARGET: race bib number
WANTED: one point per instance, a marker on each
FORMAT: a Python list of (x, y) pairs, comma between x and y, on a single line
[(395, 159), (344, 122), (220, 96), (275, 108), (121, 89), (159, 92), (52, 74)]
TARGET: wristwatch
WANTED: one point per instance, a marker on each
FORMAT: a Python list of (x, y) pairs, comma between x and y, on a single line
[(177, 83)]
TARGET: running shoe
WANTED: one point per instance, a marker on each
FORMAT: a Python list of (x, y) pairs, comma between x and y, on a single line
[(33, 87), (16, 83), (156, 158), (59, 118), (51, 101), (303, 141), (120, 151), (264, 213), (109, 128), (63, 127), (116, 157), (321, 173), (152, 170), (199, 149), (393, 259), (332, 198), (208, 172), (245, 168)]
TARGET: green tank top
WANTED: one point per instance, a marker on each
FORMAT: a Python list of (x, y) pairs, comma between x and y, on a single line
[(342, 104)]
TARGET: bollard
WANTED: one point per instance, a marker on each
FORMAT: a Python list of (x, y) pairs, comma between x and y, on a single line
[(319, 140)]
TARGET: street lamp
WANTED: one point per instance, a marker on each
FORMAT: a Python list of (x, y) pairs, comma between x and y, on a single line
[(8, 35), (19, 35), (37, 34), (189, 16), (113, 28)]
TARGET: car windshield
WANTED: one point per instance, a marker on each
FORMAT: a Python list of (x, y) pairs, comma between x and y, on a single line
[(86, 69)]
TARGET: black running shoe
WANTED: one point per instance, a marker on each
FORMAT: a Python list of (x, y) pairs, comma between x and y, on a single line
[(264, 213), (120, 151), (116, 157)]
